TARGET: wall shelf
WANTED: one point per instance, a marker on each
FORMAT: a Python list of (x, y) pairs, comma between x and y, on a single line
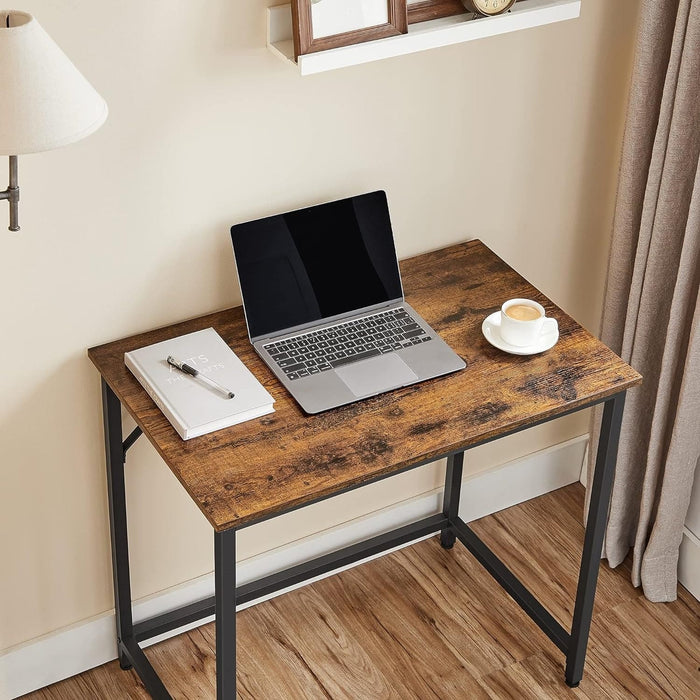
[(421, 36)]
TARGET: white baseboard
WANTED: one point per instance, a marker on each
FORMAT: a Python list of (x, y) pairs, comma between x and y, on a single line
[(689, 563), (72, 650)]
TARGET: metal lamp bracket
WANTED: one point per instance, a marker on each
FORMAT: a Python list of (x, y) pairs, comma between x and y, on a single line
[(12, 195)]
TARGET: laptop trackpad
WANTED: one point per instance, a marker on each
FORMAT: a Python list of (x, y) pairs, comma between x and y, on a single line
[(369, 377)]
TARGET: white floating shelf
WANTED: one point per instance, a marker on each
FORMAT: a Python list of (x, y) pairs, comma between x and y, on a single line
[(421, 36)]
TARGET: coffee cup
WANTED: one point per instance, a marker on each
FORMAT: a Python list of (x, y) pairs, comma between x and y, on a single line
[(523, 322)]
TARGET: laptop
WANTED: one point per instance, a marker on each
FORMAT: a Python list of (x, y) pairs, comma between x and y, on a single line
[(324, 304)]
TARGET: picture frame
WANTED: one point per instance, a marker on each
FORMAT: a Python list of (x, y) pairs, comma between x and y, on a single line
[(424, 10), (319, 25)]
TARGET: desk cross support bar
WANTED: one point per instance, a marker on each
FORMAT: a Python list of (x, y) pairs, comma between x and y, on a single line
[(450, 526)]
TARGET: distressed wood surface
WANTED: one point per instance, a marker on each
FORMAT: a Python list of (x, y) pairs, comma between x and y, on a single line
[(428, 624), (268, 465), (426, 10)]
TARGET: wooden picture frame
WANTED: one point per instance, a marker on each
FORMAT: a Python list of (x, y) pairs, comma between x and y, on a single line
[(302, 27), (424, 10)]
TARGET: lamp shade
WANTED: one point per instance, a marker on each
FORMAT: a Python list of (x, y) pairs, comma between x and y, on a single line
[(45, 102)]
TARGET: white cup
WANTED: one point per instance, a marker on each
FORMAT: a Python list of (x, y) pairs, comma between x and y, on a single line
[(520, 332)]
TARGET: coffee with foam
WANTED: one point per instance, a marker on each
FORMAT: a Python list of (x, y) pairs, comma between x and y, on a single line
[(523, 312)]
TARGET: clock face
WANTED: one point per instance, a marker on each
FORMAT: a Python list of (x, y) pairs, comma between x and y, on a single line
[(492, 7)]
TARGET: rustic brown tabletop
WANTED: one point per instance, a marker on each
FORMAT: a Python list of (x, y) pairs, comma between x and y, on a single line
[(265, 466)]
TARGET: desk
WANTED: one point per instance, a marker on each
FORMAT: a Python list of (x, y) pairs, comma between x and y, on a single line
[(272, 465)]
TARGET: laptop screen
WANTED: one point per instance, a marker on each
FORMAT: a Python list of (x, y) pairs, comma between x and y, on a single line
[(316, 263)]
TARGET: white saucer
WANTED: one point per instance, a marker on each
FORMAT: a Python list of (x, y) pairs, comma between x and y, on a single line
[(491, 328)]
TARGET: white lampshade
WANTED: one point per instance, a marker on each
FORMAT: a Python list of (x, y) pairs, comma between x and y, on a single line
[(45, 102)]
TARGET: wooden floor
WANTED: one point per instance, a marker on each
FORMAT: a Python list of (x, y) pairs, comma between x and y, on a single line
[(430, 624)]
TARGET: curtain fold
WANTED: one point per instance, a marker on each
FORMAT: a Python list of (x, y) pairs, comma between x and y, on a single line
[(651, 315)]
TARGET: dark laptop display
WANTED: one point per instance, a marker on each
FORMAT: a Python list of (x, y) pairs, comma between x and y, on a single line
[(316, 263), (324, 304)]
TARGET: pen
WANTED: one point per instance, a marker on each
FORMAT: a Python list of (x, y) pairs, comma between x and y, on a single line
[(196, 373)]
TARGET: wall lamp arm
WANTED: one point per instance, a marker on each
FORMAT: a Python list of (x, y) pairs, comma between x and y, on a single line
[(12, 195)]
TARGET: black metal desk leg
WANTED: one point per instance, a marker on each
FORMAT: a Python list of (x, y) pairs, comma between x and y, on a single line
[(111, 413), (225, 606), (450, 502), (593, 541)]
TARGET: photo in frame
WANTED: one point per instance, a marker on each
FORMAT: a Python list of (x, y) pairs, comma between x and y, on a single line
[(319, 25)]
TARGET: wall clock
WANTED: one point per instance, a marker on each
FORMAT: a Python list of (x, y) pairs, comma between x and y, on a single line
[(488, 7)]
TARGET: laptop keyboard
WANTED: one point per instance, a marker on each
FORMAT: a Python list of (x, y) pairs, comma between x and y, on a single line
[(322, 350)]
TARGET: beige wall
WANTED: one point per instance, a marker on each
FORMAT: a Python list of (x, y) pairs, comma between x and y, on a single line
[(513, 139)]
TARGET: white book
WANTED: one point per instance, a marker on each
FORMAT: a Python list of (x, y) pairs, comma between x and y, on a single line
[(192, 406)]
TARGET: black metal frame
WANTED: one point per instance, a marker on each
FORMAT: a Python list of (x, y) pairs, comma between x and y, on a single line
[(450, 526)]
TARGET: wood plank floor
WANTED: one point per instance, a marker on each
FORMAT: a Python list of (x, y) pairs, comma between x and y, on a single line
[(430, 624)]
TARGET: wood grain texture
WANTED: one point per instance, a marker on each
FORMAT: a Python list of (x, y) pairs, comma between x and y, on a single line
[(434, 9), (266, 466), (428, 624)]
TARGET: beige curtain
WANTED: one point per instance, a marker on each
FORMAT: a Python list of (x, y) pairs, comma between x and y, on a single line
[(651, 315)]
